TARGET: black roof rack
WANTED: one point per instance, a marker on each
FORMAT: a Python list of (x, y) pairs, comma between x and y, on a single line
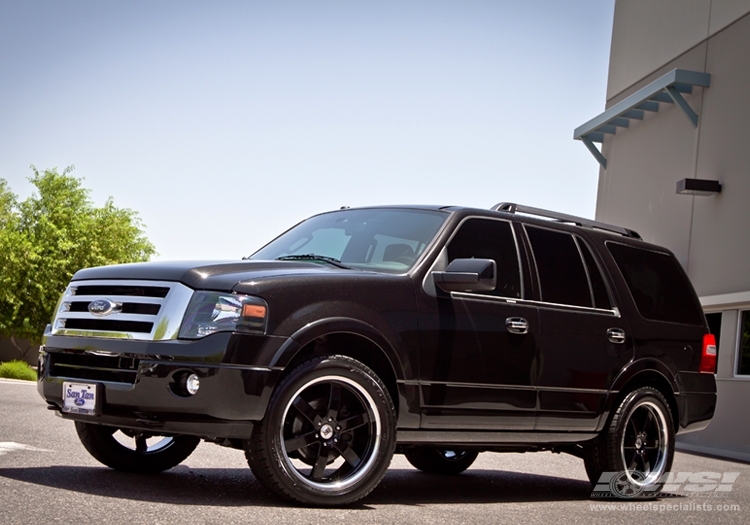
[(511, 207)]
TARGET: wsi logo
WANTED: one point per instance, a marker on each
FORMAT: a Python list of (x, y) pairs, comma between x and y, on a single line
[(699, 481), (631, 484)]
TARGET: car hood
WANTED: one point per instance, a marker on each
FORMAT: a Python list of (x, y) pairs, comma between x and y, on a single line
[(205, 275)]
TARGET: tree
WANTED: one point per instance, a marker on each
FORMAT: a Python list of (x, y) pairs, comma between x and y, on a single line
[(45, 239)]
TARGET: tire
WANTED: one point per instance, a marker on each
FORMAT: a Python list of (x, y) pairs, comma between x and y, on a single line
[(328, 435), (131, 451), (441, 460), (637, 445)]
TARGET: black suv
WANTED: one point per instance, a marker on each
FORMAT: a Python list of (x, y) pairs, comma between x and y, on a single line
[(436, 332)]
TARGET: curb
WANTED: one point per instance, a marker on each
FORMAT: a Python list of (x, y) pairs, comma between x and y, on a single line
[(20, 381)]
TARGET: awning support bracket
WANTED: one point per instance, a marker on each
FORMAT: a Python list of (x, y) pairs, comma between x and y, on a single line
[(665, 89)]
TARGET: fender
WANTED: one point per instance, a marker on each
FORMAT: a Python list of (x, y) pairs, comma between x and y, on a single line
[(332, 325), (627, 374)]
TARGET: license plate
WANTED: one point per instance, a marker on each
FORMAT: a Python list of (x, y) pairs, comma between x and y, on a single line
[(80, 398)]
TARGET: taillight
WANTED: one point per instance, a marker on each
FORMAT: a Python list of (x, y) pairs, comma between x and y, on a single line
[(708, 355)]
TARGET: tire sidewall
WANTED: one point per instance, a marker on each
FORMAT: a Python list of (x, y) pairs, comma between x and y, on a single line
[(100, 442), (618, 426)]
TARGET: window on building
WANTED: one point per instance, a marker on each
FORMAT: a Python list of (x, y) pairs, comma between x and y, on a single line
[(714, 326), (743, 359)]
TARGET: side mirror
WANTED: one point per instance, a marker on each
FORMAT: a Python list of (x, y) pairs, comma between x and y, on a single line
[(467, 275)]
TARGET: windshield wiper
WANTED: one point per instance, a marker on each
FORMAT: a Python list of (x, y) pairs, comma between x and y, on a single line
[(313, 257)]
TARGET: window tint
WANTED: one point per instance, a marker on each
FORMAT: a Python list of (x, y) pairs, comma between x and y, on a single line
[(490, 239), (378, 239), (562, 277), (601, 297), (658, 286), (743, 361)]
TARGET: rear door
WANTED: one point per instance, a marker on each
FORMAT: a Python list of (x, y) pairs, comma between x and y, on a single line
[(583, 340)]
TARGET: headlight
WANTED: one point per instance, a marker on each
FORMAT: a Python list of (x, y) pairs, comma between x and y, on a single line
[(211, 312)]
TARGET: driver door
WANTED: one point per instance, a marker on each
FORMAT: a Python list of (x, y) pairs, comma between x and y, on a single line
[(476, 369)]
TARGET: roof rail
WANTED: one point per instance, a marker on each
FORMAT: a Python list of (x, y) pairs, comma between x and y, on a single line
[(511, 207)]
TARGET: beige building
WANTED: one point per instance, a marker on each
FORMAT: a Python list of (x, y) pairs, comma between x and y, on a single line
[(665, 130)]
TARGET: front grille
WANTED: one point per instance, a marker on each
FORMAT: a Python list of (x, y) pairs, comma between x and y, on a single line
[(127, 308), (119, 289), (93, 367), (109, 326), (124, 309)]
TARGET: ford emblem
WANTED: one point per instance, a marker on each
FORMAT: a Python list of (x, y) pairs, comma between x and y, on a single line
[(102, 307)]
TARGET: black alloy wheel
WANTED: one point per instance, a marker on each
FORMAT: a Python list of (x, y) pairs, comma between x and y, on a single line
[(329, 433), (638, 443)]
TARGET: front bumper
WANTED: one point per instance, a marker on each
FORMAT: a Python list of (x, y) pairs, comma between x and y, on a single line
[(137, 381)]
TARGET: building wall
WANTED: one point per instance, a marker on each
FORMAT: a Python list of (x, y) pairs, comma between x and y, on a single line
[(709, 235), (720, 224), (646, 160), (647, 34)]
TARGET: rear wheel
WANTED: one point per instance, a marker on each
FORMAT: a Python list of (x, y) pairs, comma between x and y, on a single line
[(134, 450), (328, 435), (441, 460), (637, 446)]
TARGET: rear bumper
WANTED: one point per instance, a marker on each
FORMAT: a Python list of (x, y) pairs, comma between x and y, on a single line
[(697, 400), (138, 383)]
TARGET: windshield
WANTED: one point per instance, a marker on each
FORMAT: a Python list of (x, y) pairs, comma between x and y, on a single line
[(387, 240)]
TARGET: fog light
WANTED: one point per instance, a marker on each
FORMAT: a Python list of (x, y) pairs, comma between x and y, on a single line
[(192, 384)]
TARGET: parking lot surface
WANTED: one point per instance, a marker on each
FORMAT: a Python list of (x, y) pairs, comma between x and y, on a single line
[(46, 476)]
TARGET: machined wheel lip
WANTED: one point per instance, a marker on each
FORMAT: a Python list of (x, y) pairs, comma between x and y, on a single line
[(375, 423), (452, 454), (654, 474), (160, 445)]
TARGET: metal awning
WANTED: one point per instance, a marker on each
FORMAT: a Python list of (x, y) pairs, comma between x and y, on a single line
[(668, 88)]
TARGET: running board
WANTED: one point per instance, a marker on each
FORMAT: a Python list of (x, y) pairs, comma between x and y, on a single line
[(451, 437)]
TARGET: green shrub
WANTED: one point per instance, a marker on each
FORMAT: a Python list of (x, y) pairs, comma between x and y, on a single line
[(17, 370)]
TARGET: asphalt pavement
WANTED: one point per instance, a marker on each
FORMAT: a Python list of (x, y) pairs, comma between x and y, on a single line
[(46, 476)]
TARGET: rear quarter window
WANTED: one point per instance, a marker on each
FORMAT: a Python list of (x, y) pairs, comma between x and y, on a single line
[(658, 285)]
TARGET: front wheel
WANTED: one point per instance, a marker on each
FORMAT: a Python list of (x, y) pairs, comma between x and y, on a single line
[(328, 435), (134, 450), (637, 447), (441, 460)]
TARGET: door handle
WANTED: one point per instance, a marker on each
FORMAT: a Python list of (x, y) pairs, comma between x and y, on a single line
[(517, 325), (616, 335)]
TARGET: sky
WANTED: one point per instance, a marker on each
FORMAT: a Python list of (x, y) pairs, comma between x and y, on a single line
[(224, 123)]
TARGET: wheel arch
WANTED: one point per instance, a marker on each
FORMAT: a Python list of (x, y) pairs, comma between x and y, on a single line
[(640, 374), (344, 336)]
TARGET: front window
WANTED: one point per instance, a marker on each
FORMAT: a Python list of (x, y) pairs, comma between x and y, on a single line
[(384, 240), (490, 239)]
